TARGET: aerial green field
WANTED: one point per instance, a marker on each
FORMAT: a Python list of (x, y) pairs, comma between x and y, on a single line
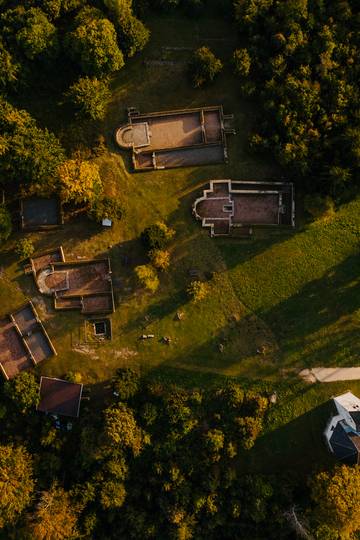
[(194, 410), (294, 293)]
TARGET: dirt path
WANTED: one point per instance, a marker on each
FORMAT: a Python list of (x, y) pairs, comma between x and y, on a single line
[(330, 374)]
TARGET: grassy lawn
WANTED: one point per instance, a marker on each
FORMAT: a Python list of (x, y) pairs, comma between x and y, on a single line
[(156, 81), (306, 288), (294, 293)]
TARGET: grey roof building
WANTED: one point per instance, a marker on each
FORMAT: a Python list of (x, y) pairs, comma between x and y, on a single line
[(342, 432)]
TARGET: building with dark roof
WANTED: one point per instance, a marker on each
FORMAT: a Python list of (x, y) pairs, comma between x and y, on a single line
[(60, 397), (342, 432)]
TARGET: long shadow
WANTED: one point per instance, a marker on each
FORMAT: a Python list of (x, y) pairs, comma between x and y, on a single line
[(297, 323), (318, 305), (298, 446), (233, 349)]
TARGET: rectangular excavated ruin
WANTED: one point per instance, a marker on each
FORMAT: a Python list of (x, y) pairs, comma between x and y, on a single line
[(181, 138)]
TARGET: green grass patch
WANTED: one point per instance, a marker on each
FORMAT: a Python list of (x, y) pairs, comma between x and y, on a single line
[(291, 293)]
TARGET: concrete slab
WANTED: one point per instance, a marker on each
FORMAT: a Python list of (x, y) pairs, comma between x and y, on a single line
[(330, 374)]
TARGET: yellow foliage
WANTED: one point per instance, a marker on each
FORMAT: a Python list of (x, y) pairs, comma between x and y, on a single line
[(80, 181), (160, 258), (336, 495)]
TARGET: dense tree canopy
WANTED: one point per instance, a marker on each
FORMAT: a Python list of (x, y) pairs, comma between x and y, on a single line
[(300, 62), (155, 460), (161, 461), (90, 97), (9, 68), (54, 518), (204, 66), (93, 44), (23, 391), (336, 495), (80, 181), (16, 483), (5, 223), (133, 34), (38, 36), (29, 155)]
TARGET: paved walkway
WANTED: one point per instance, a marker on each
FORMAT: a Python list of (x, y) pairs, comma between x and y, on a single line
[(330, 374)]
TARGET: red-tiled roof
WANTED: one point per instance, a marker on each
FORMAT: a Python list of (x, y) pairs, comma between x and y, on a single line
[(60, 397)]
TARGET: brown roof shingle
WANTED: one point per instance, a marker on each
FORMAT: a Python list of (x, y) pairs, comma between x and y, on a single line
[(60, 397)]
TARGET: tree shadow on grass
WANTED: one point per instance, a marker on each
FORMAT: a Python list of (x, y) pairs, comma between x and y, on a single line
[(157, 311), (297, 446), (320, 323), (231, 349)]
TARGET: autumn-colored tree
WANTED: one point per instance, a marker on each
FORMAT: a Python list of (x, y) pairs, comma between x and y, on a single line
[(198, 291), (9, 68), (16, 483), (214, 443), (157, 236), (242, 62), (54, 517), (121, 429), (160, 258), (112, 494), (25, 248), (337, 502), (147, 277), (80, 181)]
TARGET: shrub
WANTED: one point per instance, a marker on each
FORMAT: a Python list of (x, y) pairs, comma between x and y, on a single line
[(198, 290), (106, 208), (242, 62), (157, 236), (74, 377), (204, 67), (126, 383), (5, 224), (24, 248), (160, 259), (147, 277), (90, 97)]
